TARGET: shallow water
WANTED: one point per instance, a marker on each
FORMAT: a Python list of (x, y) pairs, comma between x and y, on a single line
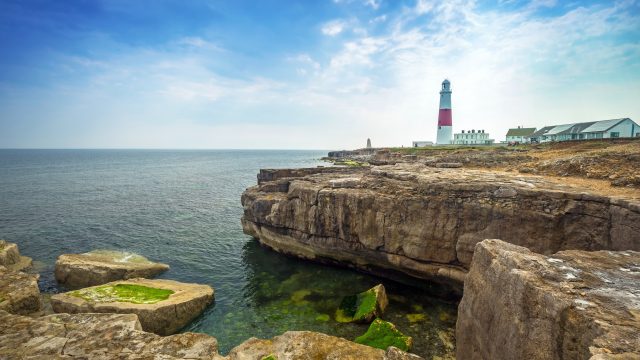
[(183, 208)]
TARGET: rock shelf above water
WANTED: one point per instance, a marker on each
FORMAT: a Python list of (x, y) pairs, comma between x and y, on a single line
[(103, 266), (162, 306), (10, 257), (425, 221), (19, 292)]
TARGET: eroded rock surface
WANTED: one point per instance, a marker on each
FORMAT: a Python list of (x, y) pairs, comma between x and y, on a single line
[(426, 221), (571, 305), (312, 345), (163, 317), (19, 292), (95, 336), (10, 257), (102, 266), (120, 336)]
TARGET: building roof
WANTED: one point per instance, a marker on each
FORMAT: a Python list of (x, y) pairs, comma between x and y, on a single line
[(577, 128), (521, 131), (604, 125)]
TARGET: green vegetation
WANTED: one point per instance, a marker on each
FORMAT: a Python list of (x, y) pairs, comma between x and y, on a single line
[(270, 357), (414, 318), (382, 334), (357, 307), (136, 294), (323, 317)]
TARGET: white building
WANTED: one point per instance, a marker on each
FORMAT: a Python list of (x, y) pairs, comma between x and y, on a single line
[(604, 129), (472, 137), (519, 135)]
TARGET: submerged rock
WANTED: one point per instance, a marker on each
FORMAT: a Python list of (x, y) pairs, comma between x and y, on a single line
[(95, 336), (102, 266), (162, 306), (19, 292), (571, 305), (10, 257), (363, 307), (382, 334)]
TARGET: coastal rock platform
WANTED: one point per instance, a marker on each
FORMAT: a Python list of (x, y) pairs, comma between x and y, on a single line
[(162, 306), (570, 305), (120, 336), (102, 266), (19, 292), (425, 221), (10, 257)]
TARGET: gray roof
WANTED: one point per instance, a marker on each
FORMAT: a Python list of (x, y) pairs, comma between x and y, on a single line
[(604, 125), (578, 128)]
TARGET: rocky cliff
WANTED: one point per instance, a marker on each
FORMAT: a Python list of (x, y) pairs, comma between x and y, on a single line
[(571, 305), (426, 221)]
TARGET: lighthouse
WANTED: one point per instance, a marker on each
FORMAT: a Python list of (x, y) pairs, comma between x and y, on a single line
[(444, 115)]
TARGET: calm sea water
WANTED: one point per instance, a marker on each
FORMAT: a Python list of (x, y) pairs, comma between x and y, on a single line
[(183, 208)]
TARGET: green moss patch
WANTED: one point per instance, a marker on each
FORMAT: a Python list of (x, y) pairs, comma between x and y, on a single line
[(357, 307), (382, 334), (270, 357), (136, 294)]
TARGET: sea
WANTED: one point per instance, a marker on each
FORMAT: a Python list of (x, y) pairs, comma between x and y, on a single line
[(182, 208)]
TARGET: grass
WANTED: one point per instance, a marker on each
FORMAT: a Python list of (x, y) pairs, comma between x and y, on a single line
[(382, 334), (136, 294)]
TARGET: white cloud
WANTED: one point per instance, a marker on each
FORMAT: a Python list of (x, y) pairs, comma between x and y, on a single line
[(333, 28)]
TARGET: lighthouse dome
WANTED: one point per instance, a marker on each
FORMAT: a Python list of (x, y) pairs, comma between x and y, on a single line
[(446, 81)]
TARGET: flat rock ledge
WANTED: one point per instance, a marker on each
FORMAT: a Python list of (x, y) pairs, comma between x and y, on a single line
[(95, 336), (10, 257), (570, 305), (163, 317), (100, 267), (120, 336), (425, 221), (19, 292)]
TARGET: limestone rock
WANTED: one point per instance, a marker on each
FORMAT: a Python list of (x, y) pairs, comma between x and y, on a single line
[(312, 345), (10, 257), (19, 292), (95, 336), (426, 221), (163, 317), (571, 305), (363, 307), (103, 266)]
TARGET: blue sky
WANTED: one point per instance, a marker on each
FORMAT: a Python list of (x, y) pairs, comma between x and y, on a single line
[(306, 74)]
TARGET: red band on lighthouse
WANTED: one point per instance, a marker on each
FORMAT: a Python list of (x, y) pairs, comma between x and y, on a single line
[(444, 117)]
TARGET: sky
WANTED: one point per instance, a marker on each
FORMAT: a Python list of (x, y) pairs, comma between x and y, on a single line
[(302, 74)]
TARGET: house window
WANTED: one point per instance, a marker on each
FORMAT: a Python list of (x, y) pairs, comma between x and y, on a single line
[(638, 134), (615, 134)]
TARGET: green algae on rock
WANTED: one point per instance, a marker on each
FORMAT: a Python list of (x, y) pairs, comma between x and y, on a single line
[(136, 294), (270, 357), (363, 307), (382, 334)]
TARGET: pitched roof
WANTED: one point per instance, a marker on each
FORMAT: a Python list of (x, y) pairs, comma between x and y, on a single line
[(521, 131), (576, 128), (542, 131), (604, 125)]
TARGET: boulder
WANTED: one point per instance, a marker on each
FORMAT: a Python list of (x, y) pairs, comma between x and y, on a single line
[(383, 334), (162, 306), (312, 345), (571, 305), (10, 257), (363, 307), (102, 266), (19, 292), (97, 337)]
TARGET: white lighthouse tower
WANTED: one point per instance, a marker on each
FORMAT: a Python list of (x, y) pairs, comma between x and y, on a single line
[(444, 115)]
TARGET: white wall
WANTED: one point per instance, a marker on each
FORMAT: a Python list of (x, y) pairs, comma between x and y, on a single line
[(624, 128)]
